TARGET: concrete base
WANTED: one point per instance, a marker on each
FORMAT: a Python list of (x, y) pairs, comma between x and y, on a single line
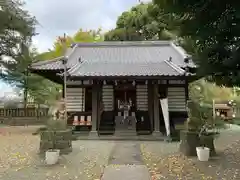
[(93, 134), (168, 139), (157, 134)]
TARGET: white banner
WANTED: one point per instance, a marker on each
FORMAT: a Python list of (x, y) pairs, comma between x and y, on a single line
[(164, 105)]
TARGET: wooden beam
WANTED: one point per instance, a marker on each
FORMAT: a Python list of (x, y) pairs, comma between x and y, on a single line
[(130, 78)]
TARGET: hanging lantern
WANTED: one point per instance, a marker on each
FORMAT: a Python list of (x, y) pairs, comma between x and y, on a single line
[(104, 82), (146, 82), (116, 83)]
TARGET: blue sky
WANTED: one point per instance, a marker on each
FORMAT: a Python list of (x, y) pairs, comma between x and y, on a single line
[(57, 17)]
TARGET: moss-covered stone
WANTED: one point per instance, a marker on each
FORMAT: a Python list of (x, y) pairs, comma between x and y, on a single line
[(61, 140), (47, 135), (64, 135), (46, 145), (63, 144), (189, 142)]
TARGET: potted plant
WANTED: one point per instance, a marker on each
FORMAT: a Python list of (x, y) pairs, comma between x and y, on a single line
[(189, 138), (199, 129)]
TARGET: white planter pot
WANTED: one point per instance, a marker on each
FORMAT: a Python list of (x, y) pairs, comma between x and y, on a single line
[(52, 156), (203, 153)]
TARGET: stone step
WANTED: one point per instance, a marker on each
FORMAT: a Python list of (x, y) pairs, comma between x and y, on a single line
[(125, 133)]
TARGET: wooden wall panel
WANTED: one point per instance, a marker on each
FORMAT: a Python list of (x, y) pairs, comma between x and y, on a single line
[(142, 97), (176, 99), (108, 97), (75, 99)]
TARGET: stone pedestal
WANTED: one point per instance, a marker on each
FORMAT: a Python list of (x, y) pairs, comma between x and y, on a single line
[(93, 134), (61, 140), (157, 133)]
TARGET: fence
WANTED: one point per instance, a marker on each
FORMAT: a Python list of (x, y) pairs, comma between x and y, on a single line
[(23, 116)]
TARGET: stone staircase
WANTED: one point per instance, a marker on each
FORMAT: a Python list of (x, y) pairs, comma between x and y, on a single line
[(125, 128)]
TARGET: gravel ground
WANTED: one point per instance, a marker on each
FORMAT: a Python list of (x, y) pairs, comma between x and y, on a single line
[(164, 161), (19, 158)]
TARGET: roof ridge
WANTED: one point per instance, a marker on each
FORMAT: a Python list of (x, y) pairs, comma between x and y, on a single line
[(180, 50), (43, 62), (74, 68), (123, 43), (174, 66)]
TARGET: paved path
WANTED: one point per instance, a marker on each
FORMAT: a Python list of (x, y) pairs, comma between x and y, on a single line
[(126, 153), (125, 163)]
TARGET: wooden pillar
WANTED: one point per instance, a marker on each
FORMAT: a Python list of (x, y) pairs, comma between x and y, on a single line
[(94, 108), (150, 105), (100, 105), (156, 111)]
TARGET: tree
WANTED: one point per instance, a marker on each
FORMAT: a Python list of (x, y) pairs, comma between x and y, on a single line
[(16, 27), (205, 92), (43, 90), (214, 29), (79, 36), (123, 34), (33, 86), (142, 22)]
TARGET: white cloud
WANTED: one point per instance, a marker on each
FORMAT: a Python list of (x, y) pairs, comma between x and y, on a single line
[(58, 16)]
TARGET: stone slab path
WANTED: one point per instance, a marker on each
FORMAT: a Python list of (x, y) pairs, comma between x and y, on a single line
[(125, 163), (124, 172)]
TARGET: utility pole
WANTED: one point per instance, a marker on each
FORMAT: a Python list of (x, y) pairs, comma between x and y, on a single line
[(64, 44), (214, 111)]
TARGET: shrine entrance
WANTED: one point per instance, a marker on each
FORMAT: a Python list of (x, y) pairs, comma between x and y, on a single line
[(125, 107)]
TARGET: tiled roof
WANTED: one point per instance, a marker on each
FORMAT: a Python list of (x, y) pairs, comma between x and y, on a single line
[(54, 64), (140, 58), (163, 68), (147, 58)]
